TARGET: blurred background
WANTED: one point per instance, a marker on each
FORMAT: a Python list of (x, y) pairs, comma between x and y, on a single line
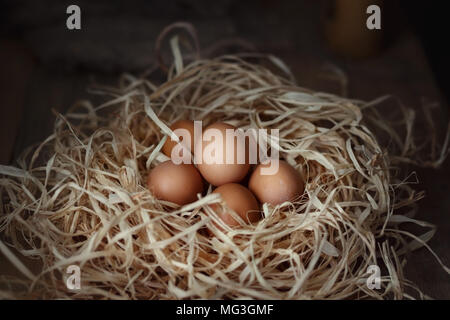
[(44, 67)]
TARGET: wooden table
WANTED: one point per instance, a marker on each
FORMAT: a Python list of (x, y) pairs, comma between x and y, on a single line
[(29, 90)]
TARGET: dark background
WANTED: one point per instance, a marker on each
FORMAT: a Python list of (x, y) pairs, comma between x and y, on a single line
[(45, 67)]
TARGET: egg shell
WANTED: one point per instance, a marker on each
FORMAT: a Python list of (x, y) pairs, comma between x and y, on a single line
[(284, 185), (170, 144), (239, 199), (177, 183), (219, 172)]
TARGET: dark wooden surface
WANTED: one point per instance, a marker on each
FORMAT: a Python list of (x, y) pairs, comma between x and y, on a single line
[(402, 69)]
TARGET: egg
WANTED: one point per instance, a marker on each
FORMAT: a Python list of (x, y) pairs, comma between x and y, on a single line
[(170, 144), (239, 199), (284, 184), (212, 161), (177, 183)]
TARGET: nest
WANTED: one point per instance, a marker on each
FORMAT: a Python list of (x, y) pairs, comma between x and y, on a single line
[(80, 197)]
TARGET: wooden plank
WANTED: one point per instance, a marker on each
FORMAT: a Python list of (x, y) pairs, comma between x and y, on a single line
[(402, 69)]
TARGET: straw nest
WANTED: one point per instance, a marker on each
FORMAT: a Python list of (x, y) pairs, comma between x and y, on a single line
[(80, 197)]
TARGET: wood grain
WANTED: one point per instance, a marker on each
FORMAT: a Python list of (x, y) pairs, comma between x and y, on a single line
[(401, 69)]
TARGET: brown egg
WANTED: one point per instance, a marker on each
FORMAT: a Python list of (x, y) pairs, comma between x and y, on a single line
[(170, 144), (282, 185), (214, 167), (239, 199), (178, 183)]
